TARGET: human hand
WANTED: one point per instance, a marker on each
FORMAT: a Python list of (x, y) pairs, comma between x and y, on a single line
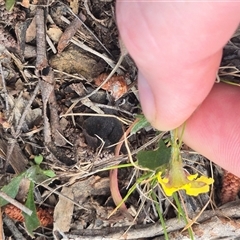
[(177, 48)]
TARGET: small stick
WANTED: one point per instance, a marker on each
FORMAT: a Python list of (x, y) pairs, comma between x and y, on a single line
[(22, 119), (88, 30), (15, 203), (13, 228), (4, 89)]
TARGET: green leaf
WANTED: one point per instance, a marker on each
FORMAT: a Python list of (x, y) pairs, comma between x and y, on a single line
[(31, 222), (35, 174), (11, 189), (10, 4), (49, 173), (142, 122), (38, 159), (155, 159)]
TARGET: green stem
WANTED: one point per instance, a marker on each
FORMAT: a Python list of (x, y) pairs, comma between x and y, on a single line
[(182, 213)]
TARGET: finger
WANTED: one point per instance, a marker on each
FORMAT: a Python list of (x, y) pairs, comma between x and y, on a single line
[(177, 48), (214, 128)]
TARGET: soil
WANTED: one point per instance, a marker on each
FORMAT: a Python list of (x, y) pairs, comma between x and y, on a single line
[(49, 106)]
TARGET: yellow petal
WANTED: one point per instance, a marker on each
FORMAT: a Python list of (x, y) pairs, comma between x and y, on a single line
[(200, 185), (205, 179), (169, 190), (196, 191), (192, 177)]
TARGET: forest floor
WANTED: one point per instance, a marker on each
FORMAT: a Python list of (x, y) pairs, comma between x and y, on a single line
[(60, 127)]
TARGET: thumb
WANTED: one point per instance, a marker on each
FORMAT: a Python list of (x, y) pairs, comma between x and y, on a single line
[(177, 48)]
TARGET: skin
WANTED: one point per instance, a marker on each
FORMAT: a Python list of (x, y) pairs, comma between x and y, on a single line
[(177, 48)]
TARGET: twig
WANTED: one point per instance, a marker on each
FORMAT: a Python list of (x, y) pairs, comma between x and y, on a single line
[(41, 60), (62, 195), (46, 80), (95, 114), (16, 203), (4, 89), (13, 228), (70, 32), (15, 133), (208, 218), (80, 44), (41, 65), (22, 119), (114, 108), (88, 30)]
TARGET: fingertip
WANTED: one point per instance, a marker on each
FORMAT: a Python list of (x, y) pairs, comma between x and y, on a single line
[(167, 104), (214, 128), (179, 69), (163, 113), (146, 98)]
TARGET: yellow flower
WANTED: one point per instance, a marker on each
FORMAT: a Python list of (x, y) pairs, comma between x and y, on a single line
[(177, 179)]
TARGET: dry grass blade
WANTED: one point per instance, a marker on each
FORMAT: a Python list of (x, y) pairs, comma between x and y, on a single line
[(89, 31), (124, 121)]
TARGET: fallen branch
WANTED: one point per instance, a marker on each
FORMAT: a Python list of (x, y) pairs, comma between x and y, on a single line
[(214, 221)]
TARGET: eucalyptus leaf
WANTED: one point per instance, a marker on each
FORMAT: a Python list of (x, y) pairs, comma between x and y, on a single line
[(155, 159), (31, 222), (11, 189), (10, 4), (141, 123)]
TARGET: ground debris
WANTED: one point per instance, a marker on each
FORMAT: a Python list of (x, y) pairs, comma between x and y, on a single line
[(54, 104)]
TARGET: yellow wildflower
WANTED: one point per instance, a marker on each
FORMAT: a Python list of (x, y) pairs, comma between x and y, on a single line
[(178, 178)]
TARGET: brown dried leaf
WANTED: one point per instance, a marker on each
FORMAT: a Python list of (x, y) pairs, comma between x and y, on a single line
[(17, 160), (116, 85), (31, 31), (63, 211)]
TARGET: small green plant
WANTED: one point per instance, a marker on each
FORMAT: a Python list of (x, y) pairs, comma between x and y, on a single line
[(175, 177), (164, 167), (36, 175)]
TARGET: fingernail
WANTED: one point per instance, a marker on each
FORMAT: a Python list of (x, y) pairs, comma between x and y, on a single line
[(146, 98)]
